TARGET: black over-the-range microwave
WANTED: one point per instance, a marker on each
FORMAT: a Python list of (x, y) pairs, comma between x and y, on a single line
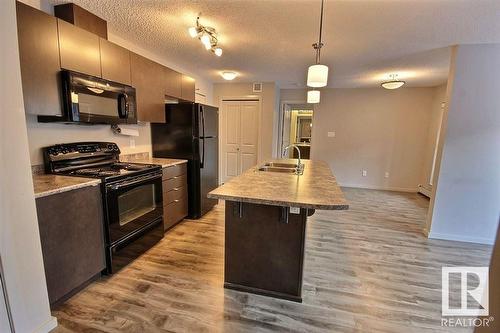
[(91, 100)]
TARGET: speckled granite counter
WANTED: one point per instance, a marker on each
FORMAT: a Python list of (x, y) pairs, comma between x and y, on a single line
[(164, 162), (45, 185), (315, 189)]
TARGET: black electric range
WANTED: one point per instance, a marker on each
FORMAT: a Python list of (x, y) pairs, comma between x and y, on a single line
[(131, 195)]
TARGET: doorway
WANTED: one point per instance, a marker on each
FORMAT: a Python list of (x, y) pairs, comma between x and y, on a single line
[(239, 136), (296, 128)]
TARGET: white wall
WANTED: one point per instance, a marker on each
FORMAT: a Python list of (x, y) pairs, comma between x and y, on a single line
[(19, 238), (466, 204), (41, 135), (269, 99), (376, 130)]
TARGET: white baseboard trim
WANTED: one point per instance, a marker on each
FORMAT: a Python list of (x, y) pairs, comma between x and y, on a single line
[(462, 238), (48, 326), (381, 188)]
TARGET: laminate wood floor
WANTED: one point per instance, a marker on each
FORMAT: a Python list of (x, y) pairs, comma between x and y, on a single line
[(368, 269)]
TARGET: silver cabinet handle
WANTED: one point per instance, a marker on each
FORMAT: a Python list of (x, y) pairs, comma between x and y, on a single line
[(176, 200)]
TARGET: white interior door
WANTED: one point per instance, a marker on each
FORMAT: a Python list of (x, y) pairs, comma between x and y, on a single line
[(230, 137), (238, 137), (249, 134)]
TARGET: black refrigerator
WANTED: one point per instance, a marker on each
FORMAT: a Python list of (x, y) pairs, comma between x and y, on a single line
[(190, 132)]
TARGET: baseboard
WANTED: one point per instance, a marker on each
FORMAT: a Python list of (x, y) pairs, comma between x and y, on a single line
[(48, 326), (424, 191), (462, 238), (381, 188)]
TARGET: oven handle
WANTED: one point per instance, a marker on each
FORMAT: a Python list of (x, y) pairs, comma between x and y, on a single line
[(136, 181)]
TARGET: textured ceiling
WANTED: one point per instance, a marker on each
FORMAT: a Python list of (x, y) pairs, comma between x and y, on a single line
[(365, 40)]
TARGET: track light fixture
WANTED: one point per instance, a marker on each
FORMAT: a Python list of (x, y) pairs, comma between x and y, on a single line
[(207, 36)]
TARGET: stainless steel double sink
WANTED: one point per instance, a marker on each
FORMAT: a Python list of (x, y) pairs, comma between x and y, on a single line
[(282, 167)]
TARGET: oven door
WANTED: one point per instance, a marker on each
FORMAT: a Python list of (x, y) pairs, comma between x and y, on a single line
[(133, 205)]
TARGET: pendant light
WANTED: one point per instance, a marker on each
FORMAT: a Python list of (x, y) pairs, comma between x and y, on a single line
[(317, 74), (393, 83), (313, 96)]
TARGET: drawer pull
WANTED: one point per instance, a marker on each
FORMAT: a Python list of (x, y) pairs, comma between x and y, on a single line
[(175, 189), (176, 200)]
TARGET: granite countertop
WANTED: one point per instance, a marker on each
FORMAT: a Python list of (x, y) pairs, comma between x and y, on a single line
[(164, 162), (315, 189), (45, 185)]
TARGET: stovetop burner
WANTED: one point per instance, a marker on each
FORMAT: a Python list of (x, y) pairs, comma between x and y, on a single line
[(92, 159), (114, 169)]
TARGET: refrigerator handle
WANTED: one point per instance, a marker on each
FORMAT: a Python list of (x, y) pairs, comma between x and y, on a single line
[(203, 136), (202, 153), (202, 122)]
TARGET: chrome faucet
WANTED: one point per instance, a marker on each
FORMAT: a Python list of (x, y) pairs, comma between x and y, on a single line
[(300, 166)]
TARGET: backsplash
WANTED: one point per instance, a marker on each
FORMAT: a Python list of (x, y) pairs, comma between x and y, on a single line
[(46, 134)]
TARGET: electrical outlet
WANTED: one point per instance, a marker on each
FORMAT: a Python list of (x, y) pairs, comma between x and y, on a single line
[(364, 173), (132, 143), (331, 134), (294, 210), (386, 174)]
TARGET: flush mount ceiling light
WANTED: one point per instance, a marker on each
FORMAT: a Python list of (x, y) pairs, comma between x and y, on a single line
[(313, 96), (317, 74), (207, 36), (228, 75), (393, 82)]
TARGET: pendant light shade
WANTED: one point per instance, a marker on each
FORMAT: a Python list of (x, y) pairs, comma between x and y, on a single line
[(317, 76), (313, 96)]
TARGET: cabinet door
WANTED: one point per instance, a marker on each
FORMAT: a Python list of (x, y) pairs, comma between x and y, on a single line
[(39, 57), (187, 90), (173, 83), (79, 49), (147, 78), (72, 239), (115, 62)]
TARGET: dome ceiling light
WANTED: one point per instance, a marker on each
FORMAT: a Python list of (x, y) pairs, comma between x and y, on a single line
[(393, 82), (229, 75), (317, 74), (207, 36)]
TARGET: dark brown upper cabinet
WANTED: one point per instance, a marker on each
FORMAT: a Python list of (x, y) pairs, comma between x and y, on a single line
[(79, 49), (188, 89), (82, 18), (39, 57), (173, 83), (115, 62), (148, 81)]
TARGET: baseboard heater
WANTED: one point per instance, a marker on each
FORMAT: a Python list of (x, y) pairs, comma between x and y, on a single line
[(424, 191)]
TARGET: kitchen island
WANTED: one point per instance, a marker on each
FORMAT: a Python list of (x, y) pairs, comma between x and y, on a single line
[(265, 223)]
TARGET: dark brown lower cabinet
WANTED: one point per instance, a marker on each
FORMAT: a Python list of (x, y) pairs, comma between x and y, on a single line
[(71, 234), (264, 249), (175, 195)]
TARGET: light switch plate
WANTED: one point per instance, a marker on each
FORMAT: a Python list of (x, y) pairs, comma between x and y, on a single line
[(331, 134), (132, 143), (294, 210), (364, 173), (386, 174)]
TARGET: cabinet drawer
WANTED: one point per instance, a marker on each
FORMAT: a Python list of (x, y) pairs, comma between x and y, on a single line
[(175, 211), (174, 171), (175, 182), (175, 195)]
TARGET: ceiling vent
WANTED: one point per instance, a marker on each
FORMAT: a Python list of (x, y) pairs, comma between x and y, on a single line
[(257, 87)]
